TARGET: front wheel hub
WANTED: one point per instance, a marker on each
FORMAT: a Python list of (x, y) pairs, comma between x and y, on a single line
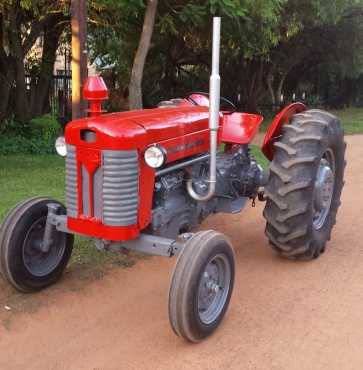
[(213, 289), (38, 262)]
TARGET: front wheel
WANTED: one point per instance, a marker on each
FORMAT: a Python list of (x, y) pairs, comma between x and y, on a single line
[(23, 263), (201, 285), (305, 185)]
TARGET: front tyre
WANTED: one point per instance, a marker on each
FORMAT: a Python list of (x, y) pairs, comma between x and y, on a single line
[(201, 285), (22, 262), (305, 185)]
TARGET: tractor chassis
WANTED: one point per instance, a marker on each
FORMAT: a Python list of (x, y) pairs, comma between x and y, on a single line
[(145, 243)]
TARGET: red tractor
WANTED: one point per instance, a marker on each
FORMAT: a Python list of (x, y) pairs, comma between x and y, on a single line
[(142, 180)]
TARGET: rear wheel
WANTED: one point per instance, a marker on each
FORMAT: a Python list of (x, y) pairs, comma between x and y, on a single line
[(305, 185), (201, 285), (22, 262)]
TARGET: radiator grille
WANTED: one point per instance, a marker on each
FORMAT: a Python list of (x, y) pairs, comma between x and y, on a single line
[(120, 187), (71, 181), (115, 187)]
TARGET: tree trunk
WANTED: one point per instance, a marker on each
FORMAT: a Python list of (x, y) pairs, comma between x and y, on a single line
[(270, 82), (253, 92), (279, 88), (6, 85), (135, 86), (21, 106), (50, 46), (275, 91), (79, 56)]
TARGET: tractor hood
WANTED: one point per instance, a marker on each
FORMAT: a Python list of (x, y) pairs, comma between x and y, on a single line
[(136, 129)]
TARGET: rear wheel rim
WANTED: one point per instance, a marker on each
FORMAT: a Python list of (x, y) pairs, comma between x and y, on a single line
[(213, 289), (38, 263), (324, 189)]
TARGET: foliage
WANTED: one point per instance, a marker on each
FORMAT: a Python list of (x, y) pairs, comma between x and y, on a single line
[(36, 137), (23, 23), (25, 145), (45, 127), (269, 48)]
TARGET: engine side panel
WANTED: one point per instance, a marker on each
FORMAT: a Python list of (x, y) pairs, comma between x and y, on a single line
[(175, 212)]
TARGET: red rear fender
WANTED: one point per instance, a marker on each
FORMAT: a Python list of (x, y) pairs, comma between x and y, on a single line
[(276, 126), (240, 128)]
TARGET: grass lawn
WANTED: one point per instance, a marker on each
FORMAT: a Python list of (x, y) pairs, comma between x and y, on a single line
[(25, 176), (352, 120)]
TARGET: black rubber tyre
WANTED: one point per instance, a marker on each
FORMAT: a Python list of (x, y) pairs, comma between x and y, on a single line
[(188, 289), (23, 226), (292, 227)]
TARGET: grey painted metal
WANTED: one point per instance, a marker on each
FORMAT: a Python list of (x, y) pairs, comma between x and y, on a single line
[(214, 105), (145, 243), (184, 164), (38, 262), (120, 187), (85, 191), (213, 288), (324, 189), (97, 191), (60, 222), (71, 182), (49, 229)]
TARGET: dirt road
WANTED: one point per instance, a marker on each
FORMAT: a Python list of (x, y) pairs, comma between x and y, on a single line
[(283, 315)]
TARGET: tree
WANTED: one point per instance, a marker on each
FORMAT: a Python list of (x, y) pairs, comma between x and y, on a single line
[(318, 36), (22, 24), (135, 89)]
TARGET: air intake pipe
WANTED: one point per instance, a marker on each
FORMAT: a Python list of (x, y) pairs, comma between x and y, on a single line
[(214, 105)]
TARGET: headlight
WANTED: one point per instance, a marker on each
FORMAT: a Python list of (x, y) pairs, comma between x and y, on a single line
[(60, 146), (155, 156)]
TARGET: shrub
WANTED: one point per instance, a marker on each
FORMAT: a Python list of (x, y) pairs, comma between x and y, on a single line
[(44, 126), (36, 137), (25, 145)]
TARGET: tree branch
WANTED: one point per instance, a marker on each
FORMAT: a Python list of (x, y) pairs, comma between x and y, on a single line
[(49, 21)]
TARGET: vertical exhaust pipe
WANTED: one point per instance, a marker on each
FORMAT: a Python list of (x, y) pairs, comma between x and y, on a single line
[(214, 105)]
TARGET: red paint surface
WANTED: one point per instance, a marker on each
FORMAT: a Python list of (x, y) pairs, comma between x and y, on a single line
[(95, 91), (94, 228), (182, 131), (240, 128), (91, 160), (276, 126)]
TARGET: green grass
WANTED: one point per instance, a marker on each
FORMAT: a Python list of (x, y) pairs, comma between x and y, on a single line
[(259, 156), (25, 176), (352, 120)]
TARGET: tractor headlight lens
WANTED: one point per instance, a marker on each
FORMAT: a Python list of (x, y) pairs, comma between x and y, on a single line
[(60, 146), (155, 156)]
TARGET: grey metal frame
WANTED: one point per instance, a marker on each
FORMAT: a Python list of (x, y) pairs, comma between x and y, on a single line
[(145, 243)]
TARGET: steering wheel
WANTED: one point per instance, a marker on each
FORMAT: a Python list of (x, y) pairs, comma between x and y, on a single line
[(226, 104)]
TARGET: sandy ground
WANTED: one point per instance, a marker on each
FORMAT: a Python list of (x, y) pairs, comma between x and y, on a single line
[(283, 315)]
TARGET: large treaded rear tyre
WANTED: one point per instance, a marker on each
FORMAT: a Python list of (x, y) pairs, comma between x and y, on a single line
[(296, 227)]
